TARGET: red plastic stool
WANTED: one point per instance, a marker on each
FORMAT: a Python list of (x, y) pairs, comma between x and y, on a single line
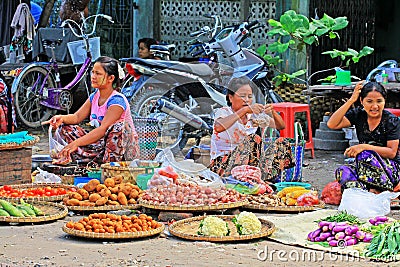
[(288, 111), (394, 111)]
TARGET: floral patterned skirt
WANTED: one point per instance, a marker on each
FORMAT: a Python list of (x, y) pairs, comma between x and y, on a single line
[(271, 157), (370, 171), (119, 144)]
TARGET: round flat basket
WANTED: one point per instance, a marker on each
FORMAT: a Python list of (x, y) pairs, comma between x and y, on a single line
[(39, 185), (187, 229), (221, 206), (13, 145), (51, 211), (122, 235), (104, 207), (265, 207)]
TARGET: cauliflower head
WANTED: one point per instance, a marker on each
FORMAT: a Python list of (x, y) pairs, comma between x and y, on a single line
[(247, 223), (213, 226)]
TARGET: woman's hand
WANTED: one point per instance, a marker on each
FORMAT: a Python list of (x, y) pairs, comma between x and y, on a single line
[(353, 151), (256, 108), (55, 121), (357, 90), (64, 157)]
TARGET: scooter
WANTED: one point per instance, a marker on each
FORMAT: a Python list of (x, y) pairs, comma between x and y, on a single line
[(187, 93)]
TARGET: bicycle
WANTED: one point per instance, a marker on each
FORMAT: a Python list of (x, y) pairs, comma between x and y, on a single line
[(38, 91)]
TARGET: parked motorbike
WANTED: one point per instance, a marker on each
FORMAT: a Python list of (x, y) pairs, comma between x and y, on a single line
[(183, 96)]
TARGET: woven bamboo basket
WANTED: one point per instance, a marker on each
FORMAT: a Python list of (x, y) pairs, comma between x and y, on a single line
[(128, 173), (187, 229), (121, 235), (52, 211), (16, 162), (283, 209), (104, 207), (21, 187)]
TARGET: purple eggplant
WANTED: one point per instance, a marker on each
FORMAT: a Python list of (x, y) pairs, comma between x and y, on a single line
[(351, 242), (325, 228), (333, 243), (330, 238), (340, 235), (372, 221), (347, 237), (324, 236), (309, 236), (381, 218), (331, 225), (318, 239), (342, 224), (323, 223), (339, 228), (378, 223), (368, 237), (360, 235), (351, 230), (315, 233)]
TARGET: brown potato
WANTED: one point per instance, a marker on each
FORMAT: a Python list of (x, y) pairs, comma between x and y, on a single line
[(83, 193), (134, 194), (113, 197), (100, 187), (122, 198), (91, 185), (73, 202), (132, 201), (126, 189), (94, 197), (79, 226), (118, 179), (101, 201), (105, 193), (109, 182), (112, 202), (114, 189)]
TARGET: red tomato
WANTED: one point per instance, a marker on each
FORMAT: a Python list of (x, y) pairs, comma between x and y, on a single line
[(7, 188)]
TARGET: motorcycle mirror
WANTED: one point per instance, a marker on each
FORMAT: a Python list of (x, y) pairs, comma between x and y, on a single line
[(246, 43)]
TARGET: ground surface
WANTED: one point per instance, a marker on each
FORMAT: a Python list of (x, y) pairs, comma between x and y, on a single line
[(47, 245)]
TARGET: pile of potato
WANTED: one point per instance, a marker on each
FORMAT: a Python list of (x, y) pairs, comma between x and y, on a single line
[(114, 191), (112, 223)]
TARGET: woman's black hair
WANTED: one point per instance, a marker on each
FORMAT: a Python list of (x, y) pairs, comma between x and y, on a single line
[(110, 66), (235, 84), (147, 42), (373, 86)]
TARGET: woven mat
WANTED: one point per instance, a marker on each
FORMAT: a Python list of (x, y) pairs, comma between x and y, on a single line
[(293, 230)]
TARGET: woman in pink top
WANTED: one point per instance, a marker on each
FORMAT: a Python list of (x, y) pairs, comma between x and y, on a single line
[(114, 137)]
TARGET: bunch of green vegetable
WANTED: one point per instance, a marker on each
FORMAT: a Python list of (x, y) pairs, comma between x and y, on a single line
[(19, 210), (342, 216), (386, 244)]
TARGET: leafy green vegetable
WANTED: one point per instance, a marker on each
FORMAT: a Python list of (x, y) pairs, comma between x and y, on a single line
[(342, 216)]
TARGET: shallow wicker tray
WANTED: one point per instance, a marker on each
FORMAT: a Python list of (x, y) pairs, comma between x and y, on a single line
[(104, 207), (187, 229), (265, 207), (222, 206), (52, 211), (23, 144), (37, 185), (122, 235)]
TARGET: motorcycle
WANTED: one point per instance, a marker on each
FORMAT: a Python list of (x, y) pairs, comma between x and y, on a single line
[(183, 96)]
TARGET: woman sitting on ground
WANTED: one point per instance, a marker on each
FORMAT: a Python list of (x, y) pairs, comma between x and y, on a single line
[(114, 137), (235, 140), (377, 154)]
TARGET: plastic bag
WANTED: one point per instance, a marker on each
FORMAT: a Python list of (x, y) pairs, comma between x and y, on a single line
[(46, 177), (364, 204), (158, 179), (56, 143), (332, 193)]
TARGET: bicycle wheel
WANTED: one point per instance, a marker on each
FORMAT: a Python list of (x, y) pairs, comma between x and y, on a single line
[(28, 97)]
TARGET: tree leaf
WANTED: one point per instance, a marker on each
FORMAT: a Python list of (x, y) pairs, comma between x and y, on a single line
[(321, 32), (279, 31), (287, 23), (262, 49), (340, 23), (274, 23)]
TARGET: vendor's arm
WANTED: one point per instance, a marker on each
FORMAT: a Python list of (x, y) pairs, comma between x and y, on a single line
[(113, 114), (390, 151), (338, 119), (277, 121), (82, 113), (224, 123)]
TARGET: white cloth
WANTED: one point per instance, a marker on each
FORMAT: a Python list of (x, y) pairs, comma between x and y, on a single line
[(224, 142), (23, 22)]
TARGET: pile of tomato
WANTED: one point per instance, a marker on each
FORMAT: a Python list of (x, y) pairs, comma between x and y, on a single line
[(45, 191)]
